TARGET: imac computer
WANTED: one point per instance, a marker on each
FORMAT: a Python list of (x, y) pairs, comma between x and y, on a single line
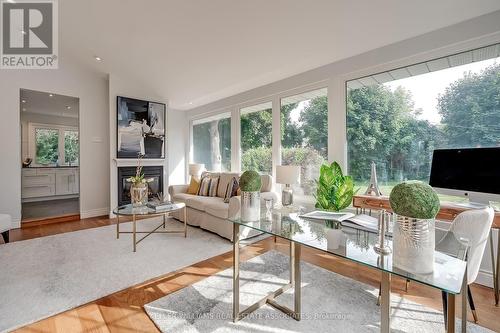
[(470, 172)]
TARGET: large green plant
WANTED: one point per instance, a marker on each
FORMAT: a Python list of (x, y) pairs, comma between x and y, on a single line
[(335, 191)]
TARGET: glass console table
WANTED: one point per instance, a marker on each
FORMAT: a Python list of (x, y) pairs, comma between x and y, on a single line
[(354, 245), (144, 211)]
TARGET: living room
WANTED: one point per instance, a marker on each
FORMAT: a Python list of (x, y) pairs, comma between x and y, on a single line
[(249, 166)]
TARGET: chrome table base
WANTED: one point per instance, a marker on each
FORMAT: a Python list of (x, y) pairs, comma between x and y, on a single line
[(270, 299)]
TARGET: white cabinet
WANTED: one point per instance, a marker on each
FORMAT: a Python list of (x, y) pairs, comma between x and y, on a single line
[(67, 182), (49, 182)]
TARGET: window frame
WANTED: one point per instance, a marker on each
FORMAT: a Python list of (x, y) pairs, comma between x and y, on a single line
[(32, 127)]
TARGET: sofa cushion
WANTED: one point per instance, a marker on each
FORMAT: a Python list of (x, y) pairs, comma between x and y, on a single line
[(224, 179), (194, 186), (182, 197), (217, 208), (199, 202)]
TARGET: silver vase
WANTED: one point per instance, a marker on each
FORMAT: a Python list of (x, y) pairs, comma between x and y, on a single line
[(139, 194), (250, 206), (413, 244)]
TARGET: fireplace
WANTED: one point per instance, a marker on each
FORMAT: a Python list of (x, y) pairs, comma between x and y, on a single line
[(155, 187)]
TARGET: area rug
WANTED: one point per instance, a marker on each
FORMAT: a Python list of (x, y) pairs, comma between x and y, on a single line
[(330, 303), (45, 276)]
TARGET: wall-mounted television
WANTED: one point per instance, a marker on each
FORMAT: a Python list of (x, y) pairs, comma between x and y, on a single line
[(141, 128)]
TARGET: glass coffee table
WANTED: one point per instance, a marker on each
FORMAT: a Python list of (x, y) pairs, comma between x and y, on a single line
[(356, 245), (144, 211)]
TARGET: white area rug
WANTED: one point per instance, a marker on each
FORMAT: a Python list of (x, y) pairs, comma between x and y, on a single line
[(330, 303), (45, 276)]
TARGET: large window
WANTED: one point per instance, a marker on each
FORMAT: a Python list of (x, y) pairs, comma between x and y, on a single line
[(53, 145), (304, 138), (397, 118), (212, 142), (256, 138)]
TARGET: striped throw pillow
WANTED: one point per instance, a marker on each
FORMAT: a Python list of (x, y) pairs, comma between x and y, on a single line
[(204, 186), (214, 184), (231, 190)]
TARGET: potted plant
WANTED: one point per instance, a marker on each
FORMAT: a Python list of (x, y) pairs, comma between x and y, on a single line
[(139, 186), (334, 190), (415, 205), (250, 184)]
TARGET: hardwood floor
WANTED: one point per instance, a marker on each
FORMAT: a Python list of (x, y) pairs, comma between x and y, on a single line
[(123, 311)]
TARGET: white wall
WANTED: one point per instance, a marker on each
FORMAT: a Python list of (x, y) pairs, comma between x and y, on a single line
[(478, 32), (174, 165), (70, 80)]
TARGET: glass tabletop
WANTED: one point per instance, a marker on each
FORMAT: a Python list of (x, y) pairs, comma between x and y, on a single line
[(129, 210), (357, 245)]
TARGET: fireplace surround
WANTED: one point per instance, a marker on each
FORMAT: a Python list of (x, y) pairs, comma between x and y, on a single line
[(155, 187)]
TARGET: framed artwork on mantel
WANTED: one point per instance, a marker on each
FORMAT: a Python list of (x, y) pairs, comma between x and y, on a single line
[(141, 128)]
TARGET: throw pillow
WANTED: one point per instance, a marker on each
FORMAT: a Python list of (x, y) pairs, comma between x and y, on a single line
[(231, 190), (204, 186), (214, 184), (194, 186)]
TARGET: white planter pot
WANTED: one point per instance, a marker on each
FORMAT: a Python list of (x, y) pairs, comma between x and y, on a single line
[(250, 206), (414, 242)]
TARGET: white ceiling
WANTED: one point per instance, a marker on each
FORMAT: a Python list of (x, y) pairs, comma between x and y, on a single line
[(196, 52), (49, 104)]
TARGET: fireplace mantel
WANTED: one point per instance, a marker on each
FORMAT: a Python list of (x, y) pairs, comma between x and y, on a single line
[(128, 162)]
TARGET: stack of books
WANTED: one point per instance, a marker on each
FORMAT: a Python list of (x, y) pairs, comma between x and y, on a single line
[(160, 205)]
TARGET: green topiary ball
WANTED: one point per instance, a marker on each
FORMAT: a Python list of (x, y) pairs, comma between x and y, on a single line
[(250, 181), (414, 199)]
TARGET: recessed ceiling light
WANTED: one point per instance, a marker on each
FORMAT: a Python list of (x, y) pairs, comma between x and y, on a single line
[(24, 109), (190, 103), (51, 95), (23, 32), (24, 101), (97, 58), (68, 107)]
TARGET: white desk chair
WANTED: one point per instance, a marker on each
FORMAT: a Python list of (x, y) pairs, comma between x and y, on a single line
[(5, 226), (474, 226)]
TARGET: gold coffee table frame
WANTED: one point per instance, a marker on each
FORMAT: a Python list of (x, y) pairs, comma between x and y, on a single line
[(129, 210)]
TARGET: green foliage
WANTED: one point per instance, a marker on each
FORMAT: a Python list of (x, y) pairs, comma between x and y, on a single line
[(470, 110), (47, 142), (335, 191), (256, 129), (308, 159), (414, 199), (71, 147), (250, 181)]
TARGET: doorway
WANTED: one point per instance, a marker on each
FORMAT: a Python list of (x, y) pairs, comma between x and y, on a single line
[(50, 153)]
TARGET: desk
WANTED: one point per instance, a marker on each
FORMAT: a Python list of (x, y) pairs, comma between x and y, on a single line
[(354, 245), (447, 213)]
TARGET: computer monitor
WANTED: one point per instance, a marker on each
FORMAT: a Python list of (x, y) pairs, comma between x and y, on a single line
[(470, 172)]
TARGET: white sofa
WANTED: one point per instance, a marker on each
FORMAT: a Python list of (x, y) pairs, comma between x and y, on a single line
[(5, 226), (212, 213)]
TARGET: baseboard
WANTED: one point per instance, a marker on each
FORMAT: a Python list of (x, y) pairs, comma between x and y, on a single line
[(485, 278), (49, 220), (85, 214)]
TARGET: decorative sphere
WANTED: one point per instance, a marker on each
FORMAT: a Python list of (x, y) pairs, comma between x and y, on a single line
[(414, 199), (250, 181)]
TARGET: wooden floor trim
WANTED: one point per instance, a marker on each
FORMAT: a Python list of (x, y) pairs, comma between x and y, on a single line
[(29, 223)]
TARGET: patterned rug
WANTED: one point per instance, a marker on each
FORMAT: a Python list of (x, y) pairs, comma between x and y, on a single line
[(330, 303)]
